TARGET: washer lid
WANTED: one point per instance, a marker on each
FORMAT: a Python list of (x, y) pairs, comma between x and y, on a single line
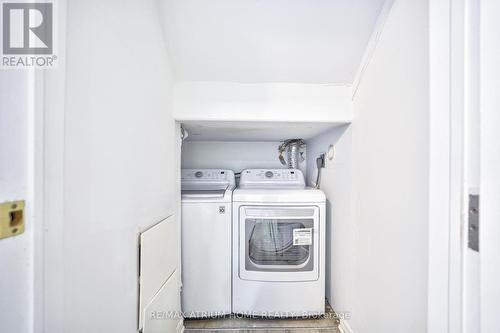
[(198, 196), (203, 193), (307, 195), (272, 179)]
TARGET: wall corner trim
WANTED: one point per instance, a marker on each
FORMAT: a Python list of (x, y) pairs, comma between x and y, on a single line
[(372, 45), (344, 326)]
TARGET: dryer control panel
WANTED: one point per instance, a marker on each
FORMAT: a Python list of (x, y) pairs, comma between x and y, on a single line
[(272, 178)]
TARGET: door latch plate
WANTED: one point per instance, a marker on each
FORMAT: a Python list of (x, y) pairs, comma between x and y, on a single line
[(473, 230), (11, 218)]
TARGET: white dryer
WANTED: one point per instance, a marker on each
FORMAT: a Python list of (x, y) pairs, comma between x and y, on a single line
[(206, 241), (278, 245)]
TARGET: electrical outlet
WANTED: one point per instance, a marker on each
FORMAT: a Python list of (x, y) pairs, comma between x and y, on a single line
[(11, 218), (320, 161)]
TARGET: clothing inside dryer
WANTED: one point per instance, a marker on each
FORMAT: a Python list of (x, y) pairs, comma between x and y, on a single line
[(271, 242)]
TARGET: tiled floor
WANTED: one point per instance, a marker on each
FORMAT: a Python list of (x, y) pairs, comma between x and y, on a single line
[(328, 323)]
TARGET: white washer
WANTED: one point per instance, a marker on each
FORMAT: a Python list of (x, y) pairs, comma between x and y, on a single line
[(206, 241), (278, 245)]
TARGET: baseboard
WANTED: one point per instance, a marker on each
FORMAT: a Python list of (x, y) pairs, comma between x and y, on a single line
[(344, 327), (180, 326)]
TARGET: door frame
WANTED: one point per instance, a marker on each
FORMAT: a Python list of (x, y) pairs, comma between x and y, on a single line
[(445, 208), (447, 193), (489, 229), (49, 135), (49, 192), (464, 46)]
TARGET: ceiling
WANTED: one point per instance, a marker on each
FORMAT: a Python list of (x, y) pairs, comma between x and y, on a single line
[(253, 41)]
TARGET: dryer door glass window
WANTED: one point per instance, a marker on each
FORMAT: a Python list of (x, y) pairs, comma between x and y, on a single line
[(279, 244)]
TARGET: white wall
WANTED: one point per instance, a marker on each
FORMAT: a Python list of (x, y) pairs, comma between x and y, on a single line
[(235, 156), (440, 164), (16, 172), (336, 182), (261, 102), (379, 253), (120, 169)]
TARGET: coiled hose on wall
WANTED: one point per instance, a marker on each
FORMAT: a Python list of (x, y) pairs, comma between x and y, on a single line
[(292, 148)]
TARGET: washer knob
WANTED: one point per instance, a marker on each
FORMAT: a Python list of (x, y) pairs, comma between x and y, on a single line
[(269, 174), (198, 174)]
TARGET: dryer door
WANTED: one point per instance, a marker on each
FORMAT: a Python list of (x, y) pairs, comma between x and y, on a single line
[(279, 243)]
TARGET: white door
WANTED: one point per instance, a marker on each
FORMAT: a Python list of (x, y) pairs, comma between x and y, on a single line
[(16, 183)]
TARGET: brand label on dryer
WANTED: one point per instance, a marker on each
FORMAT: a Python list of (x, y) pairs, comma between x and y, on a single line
[(302, 236)]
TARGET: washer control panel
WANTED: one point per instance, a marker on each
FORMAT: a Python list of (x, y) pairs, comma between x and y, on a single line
[(272, 178), (206, 174), (207, 177)]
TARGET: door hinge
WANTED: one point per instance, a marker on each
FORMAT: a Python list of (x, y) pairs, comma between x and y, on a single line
[(473, 229)]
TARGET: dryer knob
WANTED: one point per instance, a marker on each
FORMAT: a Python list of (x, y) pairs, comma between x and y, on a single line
[(269, 174), (198, 174)]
